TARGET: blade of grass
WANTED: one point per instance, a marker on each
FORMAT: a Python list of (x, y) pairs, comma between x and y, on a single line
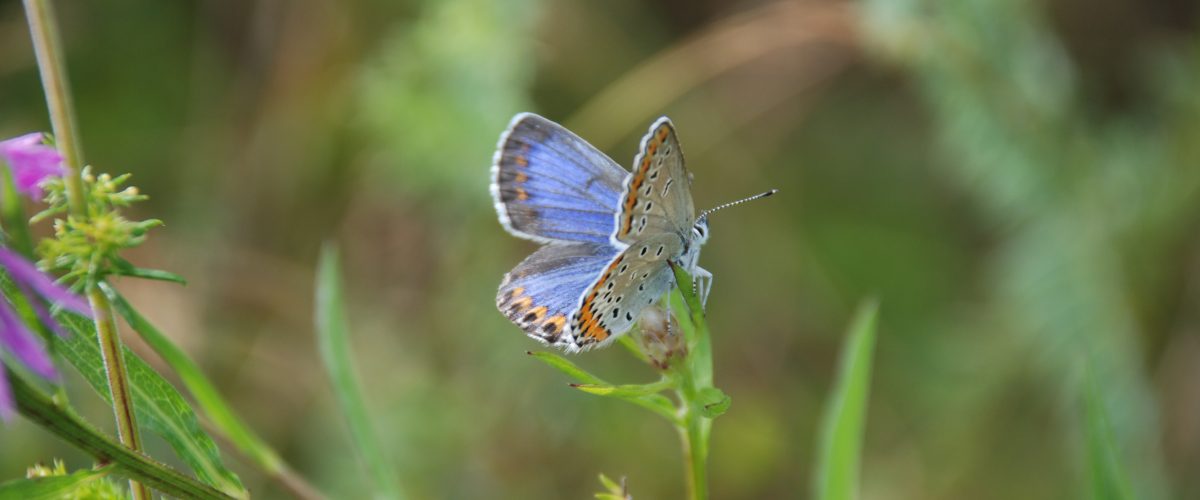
[(841, 433), (1108, 477), (334, 346)]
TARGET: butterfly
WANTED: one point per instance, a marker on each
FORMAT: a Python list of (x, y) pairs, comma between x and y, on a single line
[(607, 234)]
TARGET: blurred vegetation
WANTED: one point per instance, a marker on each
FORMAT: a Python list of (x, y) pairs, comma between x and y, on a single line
[(1018, 183)]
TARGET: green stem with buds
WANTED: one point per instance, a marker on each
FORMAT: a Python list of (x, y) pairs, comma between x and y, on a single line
[(44, 31)]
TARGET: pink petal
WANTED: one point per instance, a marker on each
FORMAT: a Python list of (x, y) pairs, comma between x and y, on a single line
[(23, 271), (23, 345), (31, 162)]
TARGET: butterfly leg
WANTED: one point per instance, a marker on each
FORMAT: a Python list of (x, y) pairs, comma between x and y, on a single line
[(702, 284)]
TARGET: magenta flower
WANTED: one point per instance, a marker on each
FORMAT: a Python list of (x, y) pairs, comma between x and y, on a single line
[(31, 162), (15, 336)]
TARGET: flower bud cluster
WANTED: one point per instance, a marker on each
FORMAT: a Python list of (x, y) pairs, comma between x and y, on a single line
[(85, 248)]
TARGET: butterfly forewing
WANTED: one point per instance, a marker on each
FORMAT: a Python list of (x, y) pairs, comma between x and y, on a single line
[(631, 281), (541, 293), (550, 185), (657, 196)]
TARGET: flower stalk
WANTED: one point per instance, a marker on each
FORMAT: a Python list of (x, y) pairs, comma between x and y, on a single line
[(46, 42)]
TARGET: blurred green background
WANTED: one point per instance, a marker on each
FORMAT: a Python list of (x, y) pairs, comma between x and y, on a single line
[(1018, 183)]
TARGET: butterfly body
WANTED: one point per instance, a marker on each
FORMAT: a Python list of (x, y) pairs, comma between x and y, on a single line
[(607, 233)]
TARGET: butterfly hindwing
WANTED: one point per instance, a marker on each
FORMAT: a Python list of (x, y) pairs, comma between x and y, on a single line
[(540, 294), (656, 198), (550, 185), (634, 279)]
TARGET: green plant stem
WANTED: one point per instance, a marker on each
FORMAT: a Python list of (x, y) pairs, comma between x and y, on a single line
[(693, 437), (43, 27), (118, 380), (46, 44), (58, 419), (695, 376)]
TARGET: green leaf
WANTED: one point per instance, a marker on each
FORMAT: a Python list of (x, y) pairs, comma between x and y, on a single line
[(334, 345), (50, 487), (841, 434), (157, 405), (206, 395), (627, 390), (125, 268), (636, 394), (614, 491), (57, 418), (713, 402), (1109, 480), (570, 369), (610, 485)]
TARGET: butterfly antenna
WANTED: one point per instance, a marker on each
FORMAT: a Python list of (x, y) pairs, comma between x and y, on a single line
[(758, 196)]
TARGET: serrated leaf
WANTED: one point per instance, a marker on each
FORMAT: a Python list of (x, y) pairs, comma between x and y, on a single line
[(841, 433), (205, 393), (157, 405), (51, 487), (334, 345), (713, 402)]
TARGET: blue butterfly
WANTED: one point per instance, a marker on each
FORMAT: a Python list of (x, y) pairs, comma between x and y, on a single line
[(607, 233)]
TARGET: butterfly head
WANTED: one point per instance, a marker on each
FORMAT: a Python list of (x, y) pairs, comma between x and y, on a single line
[(700, 231)]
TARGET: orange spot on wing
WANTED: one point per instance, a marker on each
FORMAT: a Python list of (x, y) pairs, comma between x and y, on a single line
[(522, 195), (521, 161), (597, 333), (589, 324), (558, 321), (521, 304), (537, 313), (521, 177)]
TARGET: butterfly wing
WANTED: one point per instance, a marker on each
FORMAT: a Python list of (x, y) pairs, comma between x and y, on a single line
[(634, 279), (550, 185), (540, 294), (657, 197)]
